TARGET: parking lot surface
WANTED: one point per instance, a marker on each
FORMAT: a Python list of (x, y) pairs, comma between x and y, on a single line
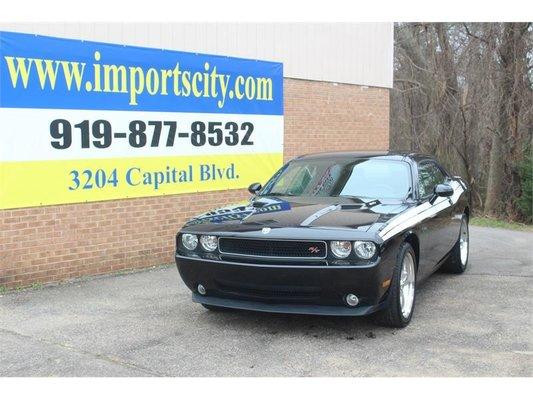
[(144, 324)]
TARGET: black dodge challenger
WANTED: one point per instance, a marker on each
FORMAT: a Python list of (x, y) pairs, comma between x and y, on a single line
[(331, 234)]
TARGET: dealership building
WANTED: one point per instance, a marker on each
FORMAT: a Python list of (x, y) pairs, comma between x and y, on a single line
[(84, 190)]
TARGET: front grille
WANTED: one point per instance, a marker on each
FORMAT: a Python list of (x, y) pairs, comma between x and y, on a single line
[(273, 248)]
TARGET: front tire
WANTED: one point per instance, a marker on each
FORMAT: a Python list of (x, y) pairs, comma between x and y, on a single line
[(400, 301), (458, 259)]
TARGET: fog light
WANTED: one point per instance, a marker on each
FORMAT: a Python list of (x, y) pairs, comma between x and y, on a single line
[(352, 300), (201, 289)]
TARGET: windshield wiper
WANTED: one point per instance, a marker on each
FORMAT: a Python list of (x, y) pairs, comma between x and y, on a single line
[(369, 203), (278, 194), (347, 196)]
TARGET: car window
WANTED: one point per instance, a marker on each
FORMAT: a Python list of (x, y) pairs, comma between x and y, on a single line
[(365, 178), (429, 175)]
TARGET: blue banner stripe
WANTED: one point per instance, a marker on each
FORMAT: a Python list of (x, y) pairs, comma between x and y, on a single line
[(47, 72)]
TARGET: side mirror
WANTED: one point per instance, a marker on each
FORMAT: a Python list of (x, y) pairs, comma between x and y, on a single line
[(441, 190), (255, 187)]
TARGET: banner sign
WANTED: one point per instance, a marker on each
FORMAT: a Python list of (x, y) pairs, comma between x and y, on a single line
[(85, 121)]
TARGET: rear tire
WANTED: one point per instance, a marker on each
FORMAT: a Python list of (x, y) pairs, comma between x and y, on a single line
[(400, 301), (458, 259)]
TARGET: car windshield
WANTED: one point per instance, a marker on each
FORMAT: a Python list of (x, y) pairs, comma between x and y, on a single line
[(360, 178)]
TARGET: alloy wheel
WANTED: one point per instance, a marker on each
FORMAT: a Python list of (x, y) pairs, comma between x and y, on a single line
[(463, 242), (407, 285)]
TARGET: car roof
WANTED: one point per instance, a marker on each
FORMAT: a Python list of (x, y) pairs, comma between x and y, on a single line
[(389, 155)]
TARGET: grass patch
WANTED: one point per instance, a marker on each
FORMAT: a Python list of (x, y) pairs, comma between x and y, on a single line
[(33, 286), (498, 223)]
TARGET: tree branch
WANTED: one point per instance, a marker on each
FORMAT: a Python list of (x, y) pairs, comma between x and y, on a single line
[(474, 36)]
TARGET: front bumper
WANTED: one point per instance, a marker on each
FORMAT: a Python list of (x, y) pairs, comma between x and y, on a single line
[(297, 289)]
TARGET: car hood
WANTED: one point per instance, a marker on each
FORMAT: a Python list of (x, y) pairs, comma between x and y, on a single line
[(296, 212)]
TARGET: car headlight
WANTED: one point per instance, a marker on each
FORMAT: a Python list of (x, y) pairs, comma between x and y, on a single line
[(364, 250), (341, 248), (209, 242), (189, 241)]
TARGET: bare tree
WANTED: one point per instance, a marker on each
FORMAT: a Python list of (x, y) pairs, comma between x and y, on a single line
[(506, 139), (464, 93)]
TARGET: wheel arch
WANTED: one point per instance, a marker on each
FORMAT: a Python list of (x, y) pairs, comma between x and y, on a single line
[(412, 238)]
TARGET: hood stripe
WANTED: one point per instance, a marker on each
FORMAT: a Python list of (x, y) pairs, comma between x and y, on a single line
[(320, 213)]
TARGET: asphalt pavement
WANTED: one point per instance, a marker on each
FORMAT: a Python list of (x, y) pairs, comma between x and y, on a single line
[(144, 324)]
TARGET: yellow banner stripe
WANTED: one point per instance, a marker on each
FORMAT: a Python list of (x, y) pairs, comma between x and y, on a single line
[(36, 183)]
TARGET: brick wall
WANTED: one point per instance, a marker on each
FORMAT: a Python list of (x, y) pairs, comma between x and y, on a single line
[(56, 243)]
